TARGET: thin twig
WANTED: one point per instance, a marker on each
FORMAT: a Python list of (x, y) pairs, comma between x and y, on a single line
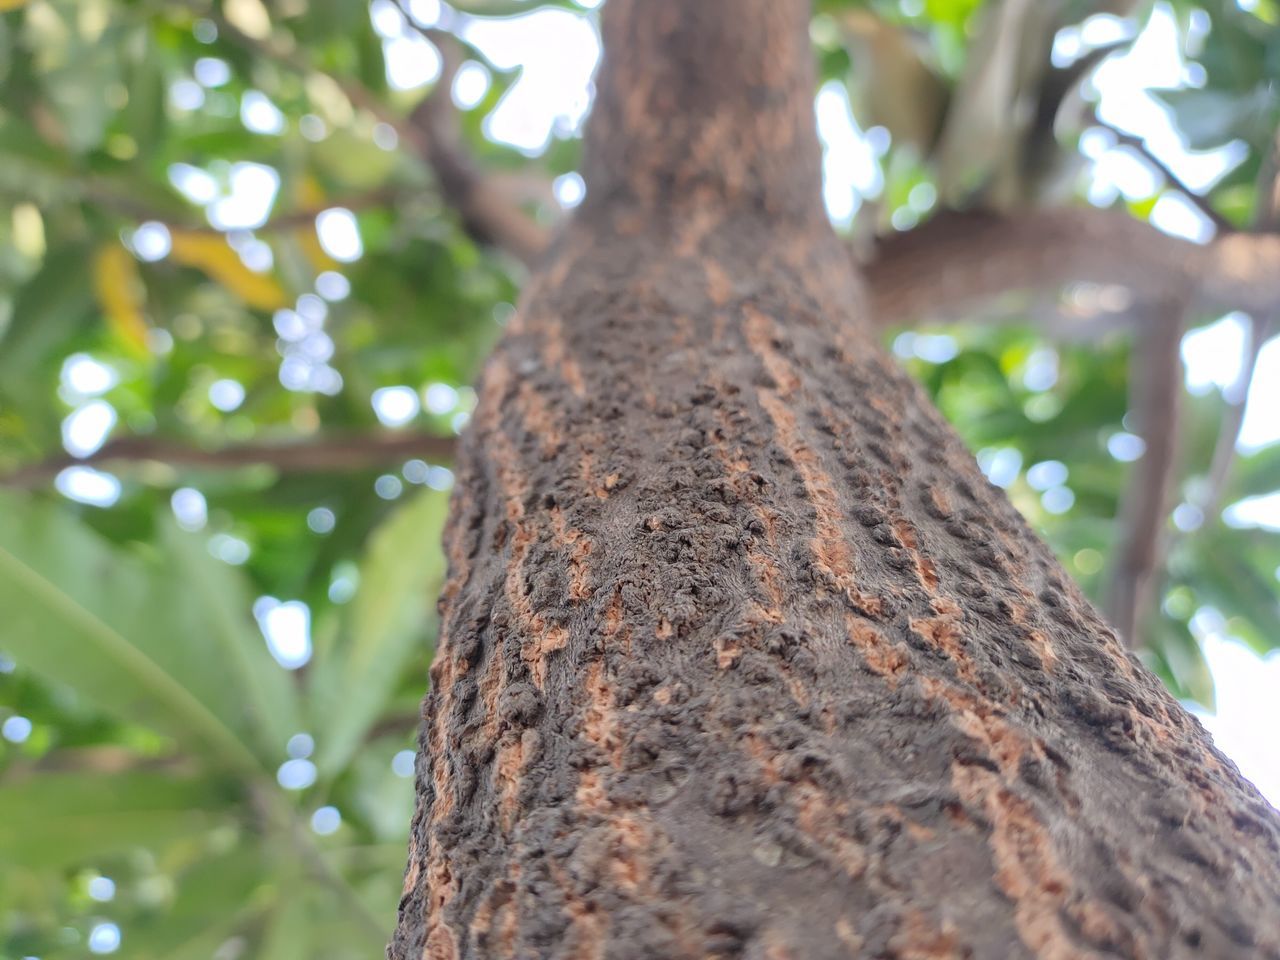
[(356, 93), (331, 454), (488, 214), (1266, 219), (1126, 139)]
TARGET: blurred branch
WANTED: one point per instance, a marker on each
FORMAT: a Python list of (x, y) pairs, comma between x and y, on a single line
[(962, 259), (105, 760), (402, 725), (488, 212), (359, 95), (328, 454), (280, 815), (1266, 220), (1156, 389), (1139, 145), (1236, 396)]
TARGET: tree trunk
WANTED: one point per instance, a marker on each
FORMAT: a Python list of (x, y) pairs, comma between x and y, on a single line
[(741, 655)]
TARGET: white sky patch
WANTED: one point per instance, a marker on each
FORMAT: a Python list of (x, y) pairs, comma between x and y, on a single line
[(1255, 512), (195, 184), (229, 549), (248, 201), (425, 12), (385, 136), (211, 72), (1261, 420), (339, 234), (558, 52), (411, 61), (1124, 83), (395, 406), (104, 938), (296, 774), (226, 394), (1126, 447), (16, 729), (1248, 713), (1211, 354), (388, 486), (256, 255), (402, 763), (287, 629), (333, 286), (387, 19), (471, 84), (440, 398), (570, 189), (1176, 215), (84, 376), (189, 508), (86, 485), (1212, 357), (1124, 171), (326, 820), (186, 95), (151, 242), (86, 429), (259, 114), (1001, 465), (321, 520), (850, 170)]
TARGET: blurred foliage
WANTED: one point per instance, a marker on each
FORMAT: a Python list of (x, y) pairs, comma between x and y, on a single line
[(163, 779)]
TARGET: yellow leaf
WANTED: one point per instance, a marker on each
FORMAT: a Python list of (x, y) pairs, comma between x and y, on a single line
[(210, 253), (311, 249), (119, 290), (309, 195), (309, 192), (12, 4)]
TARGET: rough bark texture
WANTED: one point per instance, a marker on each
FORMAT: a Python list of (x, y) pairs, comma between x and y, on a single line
[(741, 655)]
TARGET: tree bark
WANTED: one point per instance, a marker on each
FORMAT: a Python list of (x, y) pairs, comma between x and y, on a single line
[(741, 655)]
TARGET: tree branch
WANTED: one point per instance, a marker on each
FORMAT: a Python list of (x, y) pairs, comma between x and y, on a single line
[(359, 95), (433, 132), (488, 213), (1156, 391), (962, 259), (1236, 396), (332, 454), (1136, 143), (1266, 220)]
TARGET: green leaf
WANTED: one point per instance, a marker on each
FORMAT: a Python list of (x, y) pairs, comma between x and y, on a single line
[(399, 578), (54, 304), (55, 821), (1256, 474), (122, 631), (1225, 578), (217, 897), (218, 599), (1209, 118), (1190, 674), (289, 930)]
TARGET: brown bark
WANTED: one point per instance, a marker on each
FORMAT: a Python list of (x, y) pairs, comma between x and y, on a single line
[(741, 656)]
